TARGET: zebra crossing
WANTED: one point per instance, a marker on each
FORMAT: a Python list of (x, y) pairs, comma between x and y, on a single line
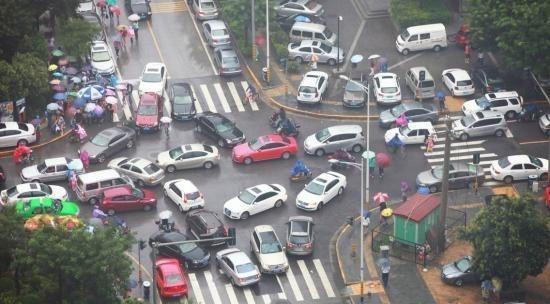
[(461, 151), (305, 282), (218, 97)]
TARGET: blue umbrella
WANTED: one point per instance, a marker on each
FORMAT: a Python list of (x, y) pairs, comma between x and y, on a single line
[(57, 74), (75, 164), (93, 92), (59, 96), (440, 94), (79, 103)]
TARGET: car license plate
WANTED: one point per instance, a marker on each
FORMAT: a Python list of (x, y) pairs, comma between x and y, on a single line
[(146, 129), (195, 207)]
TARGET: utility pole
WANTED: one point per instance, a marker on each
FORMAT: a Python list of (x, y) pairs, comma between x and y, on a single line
[(268, 76), (441, 239)]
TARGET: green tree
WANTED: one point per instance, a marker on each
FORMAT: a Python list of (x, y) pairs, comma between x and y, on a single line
[(75, 35), (12, 236), (510, 239), (518, 30)]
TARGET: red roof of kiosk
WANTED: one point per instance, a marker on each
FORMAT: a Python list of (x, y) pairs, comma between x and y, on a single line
[(417, 207)]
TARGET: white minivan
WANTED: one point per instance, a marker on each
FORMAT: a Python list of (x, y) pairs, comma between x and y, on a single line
[(422, 37)]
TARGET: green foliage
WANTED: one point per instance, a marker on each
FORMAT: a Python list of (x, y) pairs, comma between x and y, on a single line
[(35, 45), (75, 35), (417, 12), (293, 68), (132, 300), (518, 30), (510, 239)]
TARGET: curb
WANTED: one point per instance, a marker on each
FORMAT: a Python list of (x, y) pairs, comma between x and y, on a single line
[(9, 153)]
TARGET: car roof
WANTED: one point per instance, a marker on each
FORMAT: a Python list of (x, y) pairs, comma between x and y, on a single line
[(264, 228), (261, 188), (198, 147), (168, 265), (325, 178), (459, 74), (185, 184), (226, 51), (238, 258), (414, 105), (312, 78), (96, 176), (339, 129), (306, 42), (139, 162), (55, 161), (507, 94), (487, 114), (154, 65), (216, 24), (12, 125), (522, 158), (122, 190), (213, 116), (149, 98), (27, 187), (386, 79)]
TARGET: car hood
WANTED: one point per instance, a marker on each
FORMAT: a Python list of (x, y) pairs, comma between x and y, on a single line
[(471, 106), (69, 208), (242, 150), (92, 149), (183, 108), (307, 197), (30, 172), (235, 205), (426, 178), (103, 65), (311, 141), (196, 254), (150, 87), (146, 120), (148, 195), (450, 271), (387, 116), (232, 134), (276, 258)]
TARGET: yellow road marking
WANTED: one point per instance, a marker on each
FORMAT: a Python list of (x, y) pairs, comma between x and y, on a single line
[(533, 142), (155, 42)]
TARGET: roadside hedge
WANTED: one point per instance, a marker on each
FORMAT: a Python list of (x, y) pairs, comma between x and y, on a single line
[(417, 12)]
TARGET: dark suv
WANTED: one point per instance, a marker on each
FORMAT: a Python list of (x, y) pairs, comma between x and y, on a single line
[(219, 128), (204, 224)]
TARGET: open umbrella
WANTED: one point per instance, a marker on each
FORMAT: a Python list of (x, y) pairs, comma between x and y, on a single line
[(381, 197), (55, 81), (73, 94), (98, 110), (93, 92), (57, 74), (90, 106), (36, 121), (386, 212), (75, 164), (63, 61), (133, 17), (373, 56), (101, 3), (57, 53), (111, 100), (111, 2), (76, 80), (52, 67), (110, 92), (58, 88), (122, 27), (79, 103), (71, 71), (383, 160), (165, 119), (115, 9), (53, 106), (59, 96)]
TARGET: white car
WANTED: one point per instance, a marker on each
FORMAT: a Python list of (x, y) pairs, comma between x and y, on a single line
[(518, 167), (189, 156), (153, 79), (268, 250), (101, 59), (52, 169), (14, 134), (386, 88), (458, 81), (411, 134), (254, 200), (313, 87), (304, 7), (184, 194), (507, 103), (140, 170), (544, 124), (26, 192), (321, 190), (85, 6), (238, 267)]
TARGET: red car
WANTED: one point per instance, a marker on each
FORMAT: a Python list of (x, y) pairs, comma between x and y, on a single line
[(149, 112), (170, 278), (126, 198), (264, 148)]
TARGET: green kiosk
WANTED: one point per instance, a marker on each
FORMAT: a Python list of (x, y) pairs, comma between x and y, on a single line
[(416, 217)]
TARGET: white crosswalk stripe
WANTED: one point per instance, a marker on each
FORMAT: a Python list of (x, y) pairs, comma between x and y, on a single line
[(309, 282), (221, 96), (248, 296), (236, 96), (212, 287), (253, 104), (167, 105), (231, 294), (196, 288), (324, 278), (209, 101), (198, 107), (294, 285)]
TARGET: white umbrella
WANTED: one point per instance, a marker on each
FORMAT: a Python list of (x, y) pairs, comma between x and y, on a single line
[(165, 119), (53, 106), (133, 17), (90, 106), (111, 100), (375, 56)]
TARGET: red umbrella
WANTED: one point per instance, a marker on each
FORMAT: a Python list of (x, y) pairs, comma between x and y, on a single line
[(101, 3), (383, 160), (58, 88), (115, 9), (19, 151)]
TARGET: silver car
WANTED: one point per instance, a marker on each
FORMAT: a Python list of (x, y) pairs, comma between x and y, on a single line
[(328, 140), (305, 7), (479, 124), (299, 235), (227, 61), (216, 33), (140, 170), (461, 175), (189, 156), (304, 50), (414, 111), (205, 9), (238, 267), (52, 169), (14, 134), (355, 95)]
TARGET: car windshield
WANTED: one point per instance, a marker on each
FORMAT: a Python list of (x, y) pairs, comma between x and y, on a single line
[(187, 247), (255, 144), (245, 268), (100, 140), (437, 172), (322, 135), (353, 87), (398, 110), (305, 89), (535, 161), (175, 153), (45, 188), (503, 162), (467, 120), (151, 168), (225, 126), (388, 90), (41, 167), (12, 191), (230, 60), (182, 100), (482, 102), (404, 130), (151, 77), (139, 7), (207, 5), (325, 47), (147, 110), (462, 265), (267, 248), (220, 32), (314, 188), (137, 193), (462, 83), (192, 195), (100, 56), (299, 239), (327, 33), (246, 197), (405, 35), (173, 278)]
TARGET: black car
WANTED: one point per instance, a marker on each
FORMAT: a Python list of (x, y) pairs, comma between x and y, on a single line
[(459, 272), (286, 22), (219, 128), (94, 19), (182, 100), (488, 80), (142, 8), (204, 224), (190, 255)]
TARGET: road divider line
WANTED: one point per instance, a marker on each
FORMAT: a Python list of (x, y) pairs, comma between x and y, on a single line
[(309, 281), (248, 296), (198, 107), (509, 133), (253, 104), (231, 294), (405, 61), (457, 151), (236, 97), (324, 278), (212, 286), (219, 91), (208, 98), (196, 288), (465, 157), (294, 285), (266, 298)]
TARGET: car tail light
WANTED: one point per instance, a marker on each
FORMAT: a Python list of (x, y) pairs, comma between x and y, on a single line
[(307, 245), (185, 200), (398, 94), (316, 94), (496, 171), (290, 245)]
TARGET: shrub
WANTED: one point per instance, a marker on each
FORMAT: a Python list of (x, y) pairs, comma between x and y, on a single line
[(293, 67), (417, 12)]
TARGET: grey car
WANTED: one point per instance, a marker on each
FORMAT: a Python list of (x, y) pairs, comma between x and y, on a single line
[(227, 61), (304, 50), (461, 175), (51, 169), (459, 272), (300, 235), (140, 170), (216, 33), (205, 9), (479, 124), (238, 267), (355, 96), (109, 142), (305, 7), (189, 156), (414, 111), (328, 140)]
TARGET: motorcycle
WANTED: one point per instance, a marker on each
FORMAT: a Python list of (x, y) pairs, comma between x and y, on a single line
[(275, 120), (341, 155), (288, 128), (78, 134), (300, 172), (530, 112)]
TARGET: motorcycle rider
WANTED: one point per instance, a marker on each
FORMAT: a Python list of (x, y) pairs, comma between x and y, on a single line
[(299, 169)]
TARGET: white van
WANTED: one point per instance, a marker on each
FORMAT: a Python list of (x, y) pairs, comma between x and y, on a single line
[(420, 82), (311, 31), (90, 186), (422, 37)]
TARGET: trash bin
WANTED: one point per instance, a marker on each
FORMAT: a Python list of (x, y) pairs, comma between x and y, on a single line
[(533, 183), (146, 289)]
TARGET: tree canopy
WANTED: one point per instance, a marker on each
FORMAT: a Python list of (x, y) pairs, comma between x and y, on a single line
[(75, 35), (518, 30), (510, 239)]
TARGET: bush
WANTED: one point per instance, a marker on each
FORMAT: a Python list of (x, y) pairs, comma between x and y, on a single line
[(293, 67), (417, 12)]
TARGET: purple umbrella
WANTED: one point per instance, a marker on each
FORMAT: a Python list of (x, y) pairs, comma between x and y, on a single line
[(98, 111), (59, 96), (58, 88), (109, 92), (71, 71)]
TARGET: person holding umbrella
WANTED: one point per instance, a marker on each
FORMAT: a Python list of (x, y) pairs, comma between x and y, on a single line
[(382, 160), (135, 27)]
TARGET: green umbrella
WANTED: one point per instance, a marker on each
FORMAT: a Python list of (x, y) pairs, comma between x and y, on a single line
[(111, 2), (73, 94), (371, 156), (57, 53)]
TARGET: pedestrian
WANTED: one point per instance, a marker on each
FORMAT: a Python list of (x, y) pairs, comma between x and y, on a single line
[(380, 172), (84, 158), (72, 180), (486, 288), (314, 59), (60, 124), (385, 275), (372, 166), (117, 48), (480, 58), (124, 34), (441, 99), (135, 26), (382, 206), (467, 53), (404, 189), (497, 287), (110, 12), (429, 144)]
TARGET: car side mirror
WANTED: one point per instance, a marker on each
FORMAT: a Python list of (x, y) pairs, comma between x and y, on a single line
[(284, 248)]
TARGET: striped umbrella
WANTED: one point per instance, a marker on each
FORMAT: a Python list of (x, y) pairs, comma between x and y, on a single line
[(93, 92)]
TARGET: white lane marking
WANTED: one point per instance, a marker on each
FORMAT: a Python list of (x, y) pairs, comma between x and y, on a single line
[(509, 133), (281, 294), (213, 290), (324, 278), (135, 97), (236, 96), (196, 288), (248, 296), (457, 151), (231, 294), (481, 163), (219, 91), (266, 298), (167, 105), (294, 285), (403, 61), (440, 160), (457, 144), (486, 162), (308, 279), (253, 104), (204, 45), (198, 107), (208, 98), (354, 42)]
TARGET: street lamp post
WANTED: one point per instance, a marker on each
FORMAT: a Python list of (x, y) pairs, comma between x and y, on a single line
[(253, 19), (340, 18), (267, 40)]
